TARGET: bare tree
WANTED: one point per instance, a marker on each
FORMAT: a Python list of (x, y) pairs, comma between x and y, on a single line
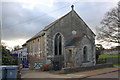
[(109, 30)]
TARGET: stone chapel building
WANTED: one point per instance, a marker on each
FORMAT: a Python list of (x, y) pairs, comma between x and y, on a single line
[(68, 41)]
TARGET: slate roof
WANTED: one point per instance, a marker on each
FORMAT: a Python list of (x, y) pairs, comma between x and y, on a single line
[(37, 35), (74, 41)]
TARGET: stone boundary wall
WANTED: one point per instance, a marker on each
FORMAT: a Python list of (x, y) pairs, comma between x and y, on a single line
[(80, 69)]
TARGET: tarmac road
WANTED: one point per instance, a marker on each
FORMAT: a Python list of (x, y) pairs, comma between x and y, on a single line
[(101, 73), (114, 74)]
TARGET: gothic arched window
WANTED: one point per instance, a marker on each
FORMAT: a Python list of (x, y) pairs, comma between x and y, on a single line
[(58, 44), (85, 54)]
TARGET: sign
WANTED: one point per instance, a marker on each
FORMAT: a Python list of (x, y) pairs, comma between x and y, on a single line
[(37, 65)]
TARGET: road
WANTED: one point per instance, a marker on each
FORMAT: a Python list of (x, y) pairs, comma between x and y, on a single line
[(114, 74), (101, 73)]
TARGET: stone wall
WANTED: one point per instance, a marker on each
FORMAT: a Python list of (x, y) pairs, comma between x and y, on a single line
[(80, 69), (65, 26), (90, 52)]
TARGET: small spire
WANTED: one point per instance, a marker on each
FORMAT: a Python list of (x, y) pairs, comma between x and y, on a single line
[(72, 7)]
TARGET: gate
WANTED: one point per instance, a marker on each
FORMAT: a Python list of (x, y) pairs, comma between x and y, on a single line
[(25, 64)]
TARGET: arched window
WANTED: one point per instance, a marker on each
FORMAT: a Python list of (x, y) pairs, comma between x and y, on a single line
[(85, 54), (58, 44)]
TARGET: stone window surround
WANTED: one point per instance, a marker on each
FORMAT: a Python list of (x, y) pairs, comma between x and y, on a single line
[(58, 44), (62, 43)]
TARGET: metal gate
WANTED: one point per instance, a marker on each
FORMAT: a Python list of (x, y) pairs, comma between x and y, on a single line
[(25, 64)]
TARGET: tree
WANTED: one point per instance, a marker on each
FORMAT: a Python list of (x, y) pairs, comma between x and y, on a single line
[(110, 27), (6, 58), (99, 49)]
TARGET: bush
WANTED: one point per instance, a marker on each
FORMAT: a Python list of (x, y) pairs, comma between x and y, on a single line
[(101, 61), (6, 58)]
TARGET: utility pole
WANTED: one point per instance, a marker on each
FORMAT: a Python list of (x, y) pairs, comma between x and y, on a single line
[(119, 12), (119, 26)]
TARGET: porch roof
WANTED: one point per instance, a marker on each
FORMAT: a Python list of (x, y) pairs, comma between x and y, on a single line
[(74, 41)]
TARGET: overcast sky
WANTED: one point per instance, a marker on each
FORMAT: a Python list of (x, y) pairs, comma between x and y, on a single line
[(22, 19)]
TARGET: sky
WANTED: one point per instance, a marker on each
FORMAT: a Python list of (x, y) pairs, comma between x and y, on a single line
[(22, 19)]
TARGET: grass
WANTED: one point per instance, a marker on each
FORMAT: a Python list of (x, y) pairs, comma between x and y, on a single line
[(117, 64), (103, 56)]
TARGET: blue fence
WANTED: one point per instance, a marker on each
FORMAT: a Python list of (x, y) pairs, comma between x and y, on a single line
[(14, 55)]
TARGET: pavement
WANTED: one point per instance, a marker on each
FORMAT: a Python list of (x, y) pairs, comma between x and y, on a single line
[(86, 74)]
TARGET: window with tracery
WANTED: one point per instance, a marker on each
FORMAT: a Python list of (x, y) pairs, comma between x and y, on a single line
[(58, 44)]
